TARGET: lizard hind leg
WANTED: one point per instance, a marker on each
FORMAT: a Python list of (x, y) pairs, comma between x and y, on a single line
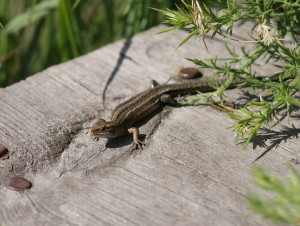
[(154, 83), (168, 99)]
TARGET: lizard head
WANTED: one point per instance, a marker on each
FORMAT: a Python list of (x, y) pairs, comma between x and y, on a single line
[(105, 129)]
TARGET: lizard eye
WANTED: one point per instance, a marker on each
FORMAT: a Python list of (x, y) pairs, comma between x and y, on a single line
[(100, 122)]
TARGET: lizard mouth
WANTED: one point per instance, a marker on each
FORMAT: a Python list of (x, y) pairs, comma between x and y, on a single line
[(101, 133)]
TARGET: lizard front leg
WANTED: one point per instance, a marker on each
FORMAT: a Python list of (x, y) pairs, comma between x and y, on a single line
[(135, 136)]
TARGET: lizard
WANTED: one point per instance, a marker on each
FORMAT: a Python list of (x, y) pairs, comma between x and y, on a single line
[(126, 114)]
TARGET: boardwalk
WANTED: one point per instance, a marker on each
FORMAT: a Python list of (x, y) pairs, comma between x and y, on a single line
[(190, 172)]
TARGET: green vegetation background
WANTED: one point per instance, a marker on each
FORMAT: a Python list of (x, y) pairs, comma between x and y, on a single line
[(35, 34)]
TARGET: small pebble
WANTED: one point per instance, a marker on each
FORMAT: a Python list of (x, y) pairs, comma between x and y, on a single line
[(189, 73), (3, 150), (18, 183)]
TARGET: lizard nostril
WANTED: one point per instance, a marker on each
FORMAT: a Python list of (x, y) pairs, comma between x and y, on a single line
[(93, 131)]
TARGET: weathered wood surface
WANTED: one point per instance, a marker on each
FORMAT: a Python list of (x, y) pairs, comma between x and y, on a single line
[(189, 173)]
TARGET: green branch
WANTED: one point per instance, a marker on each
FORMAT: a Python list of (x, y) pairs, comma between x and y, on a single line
[(285, 207), (268, 36)]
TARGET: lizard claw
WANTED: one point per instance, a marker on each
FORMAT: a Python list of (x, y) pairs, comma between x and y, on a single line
[(135, 135), (138, 144)]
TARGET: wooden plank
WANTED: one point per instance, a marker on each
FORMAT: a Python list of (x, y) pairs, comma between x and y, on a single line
[(189, 173)]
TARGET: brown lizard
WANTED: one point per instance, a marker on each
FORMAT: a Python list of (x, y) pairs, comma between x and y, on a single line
[(138, 107)]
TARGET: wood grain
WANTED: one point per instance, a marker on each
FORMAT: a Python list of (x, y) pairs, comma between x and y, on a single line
[(190, 172)]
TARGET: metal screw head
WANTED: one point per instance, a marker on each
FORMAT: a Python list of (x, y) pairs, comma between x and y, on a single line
[(18, 183), (188, 73)]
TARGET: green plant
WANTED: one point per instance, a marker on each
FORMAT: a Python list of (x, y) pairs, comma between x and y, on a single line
[(36, 34), (285, 207), (273, 23)]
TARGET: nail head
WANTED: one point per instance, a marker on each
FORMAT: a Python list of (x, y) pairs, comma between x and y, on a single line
[(18, 183)]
